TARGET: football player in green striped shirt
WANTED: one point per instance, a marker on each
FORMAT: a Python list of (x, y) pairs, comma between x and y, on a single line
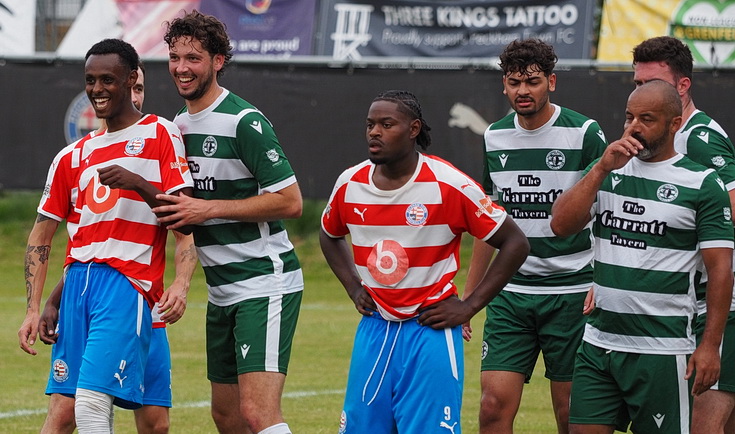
[(703, 140), (531, 156), (656, 216), (243, 187)]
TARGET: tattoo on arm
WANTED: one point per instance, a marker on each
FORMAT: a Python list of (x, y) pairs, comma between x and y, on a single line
[(42, 218), (43, 254)]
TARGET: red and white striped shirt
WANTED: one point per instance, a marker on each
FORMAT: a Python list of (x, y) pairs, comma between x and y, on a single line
[(117, 226), (406, 241)]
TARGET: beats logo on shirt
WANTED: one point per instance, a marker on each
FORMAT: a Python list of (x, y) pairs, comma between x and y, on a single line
[(387, 262), (100, 198)]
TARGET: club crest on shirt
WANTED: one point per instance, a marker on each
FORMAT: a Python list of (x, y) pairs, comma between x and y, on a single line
[(555, 159), (209, 146), (416, 214), (134, 146), (272, 155), (60, 370), (727, 212), (667, 193)]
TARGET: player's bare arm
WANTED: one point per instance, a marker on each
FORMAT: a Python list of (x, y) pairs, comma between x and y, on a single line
[(50, 315), (704, 364), (115, 176), (283, 204), (173, 301), (338, 256), (570, 212), (36, 267), (482, 253), (513, 248)]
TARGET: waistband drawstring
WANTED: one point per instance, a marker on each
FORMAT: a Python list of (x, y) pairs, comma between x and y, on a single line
[(387, 362)]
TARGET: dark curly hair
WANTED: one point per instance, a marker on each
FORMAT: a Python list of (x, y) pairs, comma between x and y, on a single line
[(116, 46), (207, 29), (666, 49), (528, 56), (409, 105)]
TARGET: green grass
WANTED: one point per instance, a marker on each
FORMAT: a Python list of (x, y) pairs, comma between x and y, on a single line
[(315, 385)]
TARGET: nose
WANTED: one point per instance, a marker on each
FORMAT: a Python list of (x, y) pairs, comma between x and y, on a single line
[(374, 131)]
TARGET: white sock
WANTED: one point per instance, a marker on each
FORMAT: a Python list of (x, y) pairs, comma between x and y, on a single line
[(93, 412), (279, 428)]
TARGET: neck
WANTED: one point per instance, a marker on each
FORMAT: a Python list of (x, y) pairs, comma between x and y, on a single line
[(394, 175), (538, 119), (123, 121), (687, 107), (201, 103)]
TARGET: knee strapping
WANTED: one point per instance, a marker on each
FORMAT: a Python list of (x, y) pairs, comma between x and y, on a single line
[(93, 412), (280, 428)]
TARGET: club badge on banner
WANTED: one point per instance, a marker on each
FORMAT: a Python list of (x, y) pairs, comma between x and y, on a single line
[(706, 26)]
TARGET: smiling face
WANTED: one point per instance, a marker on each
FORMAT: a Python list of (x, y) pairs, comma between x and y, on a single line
[(192, 68), (391, 133), (108, 84)]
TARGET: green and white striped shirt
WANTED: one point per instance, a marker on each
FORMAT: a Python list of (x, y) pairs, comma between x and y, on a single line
[(525, 171), (650, 222), (233, 153)]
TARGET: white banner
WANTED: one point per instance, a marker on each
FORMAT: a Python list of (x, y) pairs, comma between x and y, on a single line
[(17, 27)]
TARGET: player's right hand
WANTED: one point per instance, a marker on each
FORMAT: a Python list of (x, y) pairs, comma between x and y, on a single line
[(28, 332)]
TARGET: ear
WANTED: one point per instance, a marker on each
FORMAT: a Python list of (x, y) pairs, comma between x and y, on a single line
[(504, 91), (683, 85), (415, 128), (676, 124), (552, 82), (132, 78), (218, 62)]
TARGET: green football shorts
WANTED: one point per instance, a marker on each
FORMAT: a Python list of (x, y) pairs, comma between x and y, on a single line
[(518, 326), (251, 336), (646, 391), (727, 352)]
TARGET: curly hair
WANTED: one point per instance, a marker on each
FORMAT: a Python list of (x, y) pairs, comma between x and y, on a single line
[(528, 56), (666, 49), (207, 29), (116, 46), (409, 105)]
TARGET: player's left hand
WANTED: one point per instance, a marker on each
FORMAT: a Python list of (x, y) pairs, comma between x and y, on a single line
[(118, 177), (172, 304), (446, 313), (182, 211), (704, 364)]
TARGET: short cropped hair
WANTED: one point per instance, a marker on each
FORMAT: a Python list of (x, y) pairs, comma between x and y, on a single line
[(666, 49), (116, 46)]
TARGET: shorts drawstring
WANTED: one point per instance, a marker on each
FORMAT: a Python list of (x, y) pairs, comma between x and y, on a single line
[(86, 282), (387, 362)]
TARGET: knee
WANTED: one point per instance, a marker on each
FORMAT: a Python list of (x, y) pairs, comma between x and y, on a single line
[(494, 409)]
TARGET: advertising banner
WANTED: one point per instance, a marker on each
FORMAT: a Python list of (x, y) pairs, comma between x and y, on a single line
[(706, 26), (266, 27), (259, 27), (17, 27), (352, 29)]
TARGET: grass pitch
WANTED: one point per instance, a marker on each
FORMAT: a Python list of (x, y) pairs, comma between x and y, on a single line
[(317, 376)]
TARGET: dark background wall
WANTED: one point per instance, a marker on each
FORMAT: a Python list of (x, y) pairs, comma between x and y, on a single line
[(318, 111)]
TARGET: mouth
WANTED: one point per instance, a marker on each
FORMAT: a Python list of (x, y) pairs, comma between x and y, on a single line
[(184, 81), (524, 102), (100, 103), (641, 139), (374, 145)]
